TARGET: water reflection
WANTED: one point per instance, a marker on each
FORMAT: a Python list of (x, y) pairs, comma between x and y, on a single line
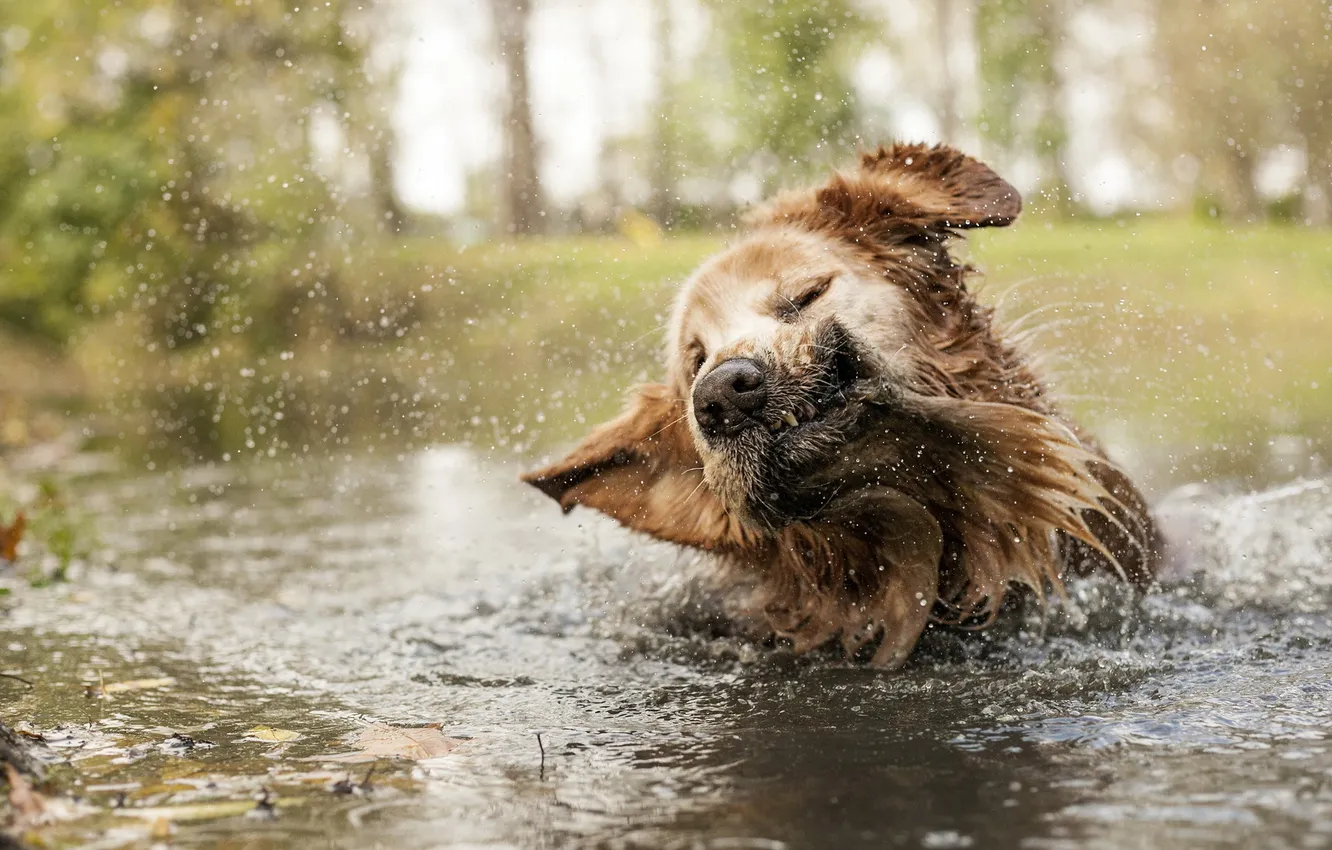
[(432, 588), (843, 758)]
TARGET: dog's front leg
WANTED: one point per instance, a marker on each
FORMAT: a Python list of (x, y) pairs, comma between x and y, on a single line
[(908, 546), (908, 599)]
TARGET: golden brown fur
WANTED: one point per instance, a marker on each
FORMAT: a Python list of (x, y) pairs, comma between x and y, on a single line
[(907, 463)]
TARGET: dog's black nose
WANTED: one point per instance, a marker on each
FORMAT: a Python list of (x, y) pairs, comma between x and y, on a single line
[(727, 398)]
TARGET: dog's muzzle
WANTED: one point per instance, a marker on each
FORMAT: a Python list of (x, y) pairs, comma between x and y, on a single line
[(731, 398)]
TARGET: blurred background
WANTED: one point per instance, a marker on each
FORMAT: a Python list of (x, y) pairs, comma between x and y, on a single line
[(291, 289), (271, 228)]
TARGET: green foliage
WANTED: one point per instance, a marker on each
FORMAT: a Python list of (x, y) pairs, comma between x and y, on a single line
[(1017, 40), (789, 94), (163, 215), (58, 534), (155, 160)]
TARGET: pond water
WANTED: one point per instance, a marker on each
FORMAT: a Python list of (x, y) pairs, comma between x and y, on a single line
[(295, 606)]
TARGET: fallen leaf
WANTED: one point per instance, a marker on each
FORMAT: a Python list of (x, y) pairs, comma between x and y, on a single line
[(29, 806), (161, 830), (271, 735), (11, 536), (415, 743), (137, 685), (33, 809), (204, 811), (159, 789)]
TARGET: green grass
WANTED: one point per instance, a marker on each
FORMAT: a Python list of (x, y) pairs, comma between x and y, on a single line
[(1166, 336), (1156, 331), (1184, 331)]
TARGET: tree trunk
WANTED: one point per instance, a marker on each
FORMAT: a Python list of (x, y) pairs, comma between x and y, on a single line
[(950, 122), (663, 203), (1316, 205), (1053, 137), (1245, 204), (521, 202), (392, 215)]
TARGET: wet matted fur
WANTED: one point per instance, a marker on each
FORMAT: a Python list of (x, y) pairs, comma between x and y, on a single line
[(908, 464)]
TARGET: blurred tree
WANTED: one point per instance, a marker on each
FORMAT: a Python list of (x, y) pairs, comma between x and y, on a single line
[(790, 97), (947, 17), (199, 180), (366, 78), (159, 159), (1017, 42), (523, 205), (1223, 72), (1247, 77), (665, 147), (1303, 31)]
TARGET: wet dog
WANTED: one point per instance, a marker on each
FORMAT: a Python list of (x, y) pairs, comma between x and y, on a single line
[(843, 425)]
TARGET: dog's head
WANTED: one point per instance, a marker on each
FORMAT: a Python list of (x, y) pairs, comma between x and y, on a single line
[(786, 351)]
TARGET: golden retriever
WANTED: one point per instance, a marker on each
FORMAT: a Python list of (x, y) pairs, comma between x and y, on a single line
[(843, 425)]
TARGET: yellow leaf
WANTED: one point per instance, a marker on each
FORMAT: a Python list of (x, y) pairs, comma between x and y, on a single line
[(639, 229), (161, 830), (137, 685), (276, 736), (202, 811)]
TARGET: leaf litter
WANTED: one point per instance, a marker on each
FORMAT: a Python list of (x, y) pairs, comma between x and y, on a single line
[(196, 791)]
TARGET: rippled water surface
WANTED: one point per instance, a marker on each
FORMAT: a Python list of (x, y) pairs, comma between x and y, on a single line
[(318, 599)]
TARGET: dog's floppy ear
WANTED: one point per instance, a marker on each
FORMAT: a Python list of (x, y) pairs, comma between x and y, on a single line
[(642, 469), (913, 186), (940, 185)]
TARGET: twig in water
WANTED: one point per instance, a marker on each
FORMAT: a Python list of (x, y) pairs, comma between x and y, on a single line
[(17, 679), (543, 756)]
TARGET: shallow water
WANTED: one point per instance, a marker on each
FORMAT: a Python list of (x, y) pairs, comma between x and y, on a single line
[(318, 598)]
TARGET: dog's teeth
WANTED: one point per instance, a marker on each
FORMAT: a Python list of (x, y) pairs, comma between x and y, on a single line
[(776, 426), (789, 418)]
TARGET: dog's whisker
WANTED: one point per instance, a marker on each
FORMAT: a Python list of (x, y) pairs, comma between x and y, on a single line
[(697, 487), (670, 424), (658, 329)]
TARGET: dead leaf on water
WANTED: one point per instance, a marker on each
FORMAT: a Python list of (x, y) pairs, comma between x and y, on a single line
[(29, 806), (271, 735), (161, 830), (32, 808), (102, 689), (381, 741), (137, 685), (205, 811)]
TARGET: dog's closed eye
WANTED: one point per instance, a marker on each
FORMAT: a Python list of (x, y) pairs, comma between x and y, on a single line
[(792, 307), (695, 356)]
